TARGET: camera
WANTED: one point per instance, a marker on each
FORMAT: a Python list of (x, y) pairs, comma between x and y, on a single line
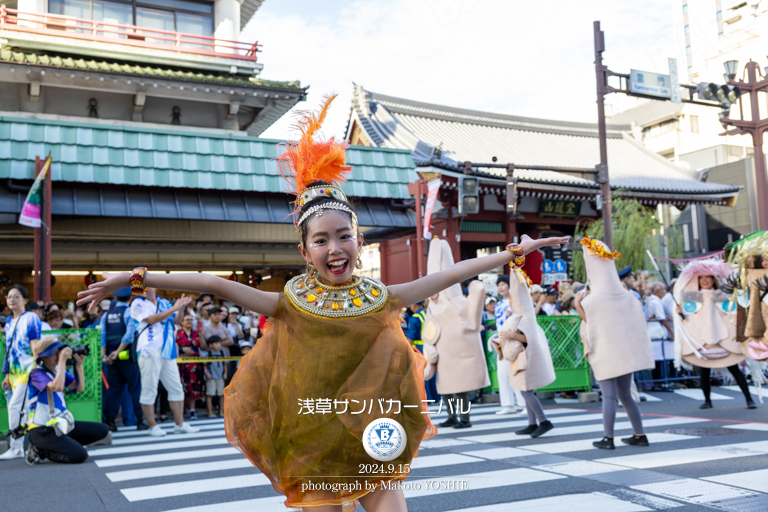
[(85, 350), (17, 432)]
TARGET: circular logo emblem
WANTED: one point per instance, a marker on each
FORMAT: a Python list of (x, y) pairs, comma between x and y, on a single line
[(384, 439)]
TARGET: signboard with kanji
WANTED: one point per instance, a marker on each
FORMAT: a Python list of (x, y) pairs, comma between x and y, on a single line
[(559, 208)]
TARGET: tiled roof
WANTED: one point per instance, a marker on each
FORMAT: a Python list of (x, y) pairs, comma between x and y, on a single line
[(463, 135), (648, 113), (133, 154), (247, 9), (64, 61)]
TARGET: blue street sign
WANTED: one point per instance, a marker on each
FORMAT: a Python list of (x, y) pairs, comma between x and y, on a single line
[(548, 266), (560, 266)]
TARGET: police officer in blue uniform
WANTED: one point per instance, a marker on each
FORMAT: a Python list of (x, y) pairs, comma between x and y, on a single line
[(117, 332)]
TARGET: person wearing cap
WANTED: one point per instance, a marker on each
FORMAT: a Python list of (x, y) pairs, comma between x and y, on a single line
[(21, 331), (50, 380), (117, 332)]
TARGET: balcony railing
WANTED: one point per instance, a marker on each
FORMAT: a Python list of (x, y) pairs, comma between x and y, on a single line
[(130, 35)]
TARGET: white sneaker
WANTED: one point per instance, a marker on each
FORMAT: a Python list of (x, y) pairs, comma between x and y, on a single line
[(12, 454), (156, 431), (185, 428), (506, 410)]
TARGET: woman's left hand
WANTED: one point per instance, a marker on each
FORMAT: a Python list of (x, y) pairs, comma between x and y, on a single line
[(529, 244)]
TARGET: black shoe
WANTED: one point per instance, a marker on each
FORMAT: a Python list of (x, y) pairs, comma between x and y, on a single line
[(751, 404), (707, 405), (462, 424), (635, 440), (530, 429), (111, 424), (448, 423), (32, 456), (605, 443), (543, 428), (142, 425)]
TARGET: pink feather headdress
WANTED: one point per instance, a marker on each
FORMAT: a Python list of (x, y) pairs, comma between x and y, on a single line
[(706, 267)]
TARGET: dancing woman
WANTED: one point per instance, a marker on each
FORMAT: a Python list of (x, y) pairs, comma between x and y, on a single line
[(332, 335)]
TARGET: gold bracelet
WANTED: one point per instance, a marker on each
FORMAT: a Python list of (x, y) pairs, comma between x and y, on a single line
[(137, 281), (518, 255)]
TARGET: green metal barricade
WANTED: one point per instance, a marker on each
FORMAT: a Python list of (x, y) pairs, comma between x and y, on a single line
[(571, 367), (85, 406)]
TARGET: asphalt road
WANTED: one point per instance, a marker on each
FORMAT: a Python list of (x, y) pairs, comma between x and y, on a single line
[(713, 459)]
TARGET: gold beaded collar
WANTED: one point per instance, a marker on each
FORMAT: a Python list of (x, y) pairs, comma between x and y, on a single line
[(363, 296)]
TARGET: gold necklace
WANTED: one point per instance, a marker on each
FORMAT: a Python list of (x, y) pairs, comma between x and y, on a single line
[(362, 296)]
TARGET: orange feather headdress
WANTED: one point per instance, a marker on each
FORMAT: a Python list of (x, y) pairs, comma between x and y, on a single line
[(308, 160)]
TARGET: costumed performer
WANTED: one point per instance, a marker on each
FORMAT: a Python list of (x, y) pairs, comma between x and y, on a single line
[(331, 335), (452, 342), (523, 347), (615, 337), (750, 289), (706, 335)]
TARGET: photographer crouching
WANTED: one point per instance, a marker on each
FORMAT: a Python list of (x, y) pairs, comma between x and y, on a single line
[(53, 433)]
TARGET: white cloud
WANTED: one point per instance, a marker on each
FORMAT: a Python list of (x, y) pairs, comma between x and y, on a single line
[(522, 58)]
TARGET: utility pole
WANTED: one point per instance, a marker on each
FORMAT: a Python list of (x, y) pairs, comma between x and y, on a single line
[(601, 75)]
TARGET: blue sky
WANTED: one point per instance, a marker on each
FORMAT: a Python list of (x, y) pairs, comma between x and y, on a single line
[(509, 56)]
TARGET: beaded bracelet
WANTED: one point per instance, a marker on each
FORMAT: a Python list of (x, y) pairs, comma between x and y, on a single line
[(518, 255), (137, 281)]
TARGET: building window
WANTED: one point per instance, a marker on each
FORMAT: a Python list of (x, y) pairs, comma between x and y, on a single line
[(694, 124), (687, 29), (688, 50), (690, 70), (720, 34), (187, 16), (685, 9), (719, 15)]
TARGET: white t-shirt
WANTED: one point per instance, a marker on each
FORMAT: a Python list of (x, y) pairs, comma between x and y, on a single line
[(46, 326), (548, 308), (655, 309), (152, 337)]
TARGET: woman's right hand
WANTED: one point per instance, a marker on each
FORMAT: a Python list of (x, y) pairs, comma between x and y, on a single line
[(98, 291), (7, 383)]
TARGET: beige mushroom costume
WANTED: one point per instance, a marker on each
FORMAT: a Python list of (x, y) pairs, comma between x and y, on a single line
[(451, 336), (705, 333), (615, 337), (529, 360)]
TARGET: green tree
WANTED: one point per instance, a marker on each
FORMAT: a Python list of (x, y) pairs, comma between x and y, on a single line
[(633, 228)]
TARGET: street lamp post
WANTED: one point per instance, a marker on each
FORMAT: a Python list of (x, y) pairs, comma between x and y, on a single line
[(601, 74), (754, 126)]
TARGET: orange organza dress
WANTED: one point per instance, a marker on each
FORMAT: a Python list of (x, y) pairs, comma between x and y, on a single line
[(338, 343)]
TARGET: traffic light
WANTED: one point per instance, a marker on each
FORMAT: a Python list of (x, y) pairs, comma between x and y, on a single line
[(469, 201), (722, 94)]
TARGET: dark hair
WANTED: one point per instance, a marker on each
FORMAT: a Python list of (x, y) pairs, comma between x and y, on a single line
[(715, 283), (567, 305), (213, 339), (54, 315), (304, 228), (502, 279), (23, 291)]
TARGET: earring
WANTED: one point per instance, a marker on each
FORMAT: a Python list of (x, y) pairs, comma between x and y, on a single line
[(311, 272), (359, 263)]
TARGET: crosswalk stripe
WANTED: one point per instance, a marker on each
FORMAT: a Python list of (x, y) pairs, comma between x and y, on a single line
[(749, 426), (170, 437), (524, 423), (475, 481), (183, 469), (689, 455), (693, 491), (137, 433), (698, 394), (753, 480), (271, 504), (571, 502), (752, 389), (580, 429), (156, 447), (166, 457), (586, 444), (171, 424), (489, 415), (153, 492), (429, 461)]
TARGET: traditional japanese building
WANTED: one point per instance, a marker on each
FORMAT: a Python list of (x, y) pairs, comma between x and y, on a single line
[(151, 113), (549, 202)]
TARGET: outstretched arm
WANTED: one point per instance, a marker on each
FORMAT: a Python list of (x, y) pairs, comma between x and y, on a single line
[(415, 291), (264, 303)]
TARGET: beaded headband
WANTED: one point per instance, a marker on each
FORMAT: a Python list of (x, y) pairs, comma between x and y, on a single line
[(330, 206), (311, 193)]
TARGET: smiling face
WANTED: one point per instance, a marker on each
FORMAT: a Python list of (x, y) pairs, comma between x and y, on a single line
[(502, 288), (332, 246), (706, 282)]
